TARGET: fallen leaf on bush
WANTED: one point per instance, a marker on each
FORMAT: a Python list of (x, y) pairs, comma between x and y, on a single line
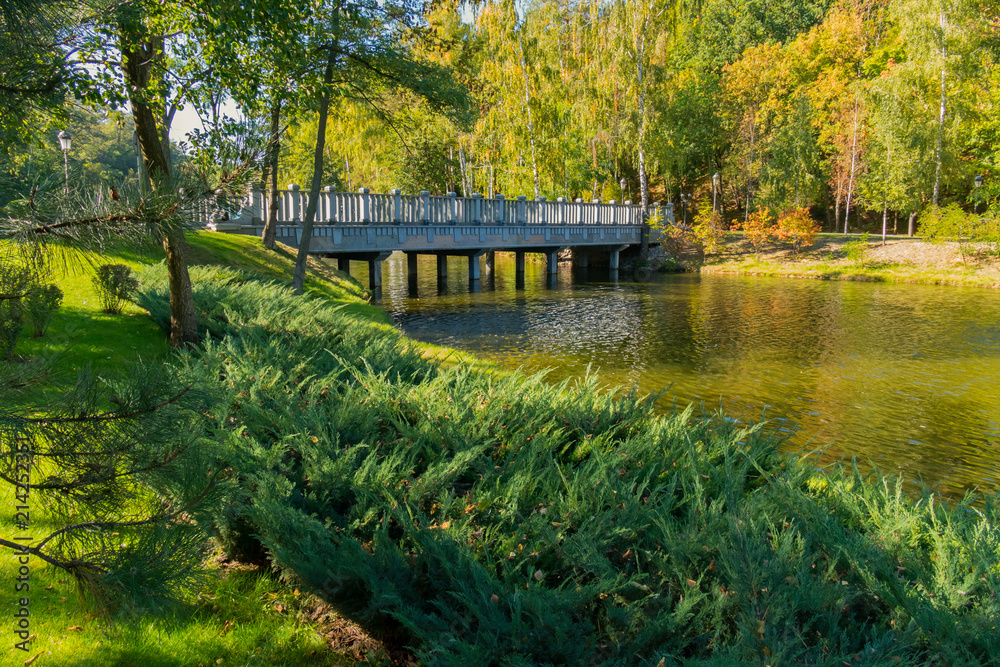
[(226, 628), (75, 628), (692, 583), (33, 658), (495, 599), (446, 525), (538, 575)]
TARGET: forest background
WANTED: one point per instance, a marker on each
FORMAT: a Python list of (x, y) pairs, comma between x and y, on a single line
[(861, 110)]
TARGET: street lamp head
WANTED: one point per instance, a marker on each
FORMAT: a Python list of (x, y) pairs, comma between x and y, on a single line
[(979, 181), (716, 179), (623, 182), (65, 141)]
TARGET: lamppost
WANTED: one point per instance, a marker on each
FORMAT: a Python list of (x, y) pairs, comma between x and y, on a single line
[(979, 184), (623, 183), (716, 186), (65, 143), (685, 198)]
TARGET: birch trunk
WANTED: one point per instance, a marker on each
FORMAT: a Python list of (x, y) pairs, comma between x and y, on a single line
[(850, 175), (302, 258), (531, 119), (939, 148)]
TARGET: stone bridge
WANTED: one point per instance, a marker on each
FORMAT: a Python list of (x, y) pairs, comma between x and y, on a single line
[(369, 227)]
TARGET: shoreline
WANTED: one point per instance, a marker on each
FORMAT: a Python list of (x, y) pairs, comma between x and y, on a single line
[(845, 258)]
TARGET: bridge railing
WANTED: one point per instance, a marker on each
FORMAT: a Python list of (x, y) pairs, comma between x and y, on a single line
[(364, 207)]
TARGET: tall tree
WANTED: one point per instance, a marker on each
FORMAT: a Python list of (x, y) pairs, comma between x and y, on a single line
[(359, 47)]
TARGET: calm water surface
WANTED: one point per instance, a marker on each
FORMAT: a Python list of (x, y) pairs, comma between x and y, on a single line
[(904, 375)]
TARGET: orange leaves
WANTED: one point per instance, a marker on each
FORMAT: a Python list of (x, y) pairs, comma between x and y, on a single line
[(798, 227)]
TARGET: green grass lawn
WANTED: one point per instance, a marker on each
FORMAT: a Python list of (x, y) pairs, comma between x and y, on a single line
[(236, 617)]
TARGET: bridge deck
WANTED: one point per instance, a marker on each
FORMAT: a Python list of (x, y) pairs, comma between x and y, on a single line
[(333, 240)]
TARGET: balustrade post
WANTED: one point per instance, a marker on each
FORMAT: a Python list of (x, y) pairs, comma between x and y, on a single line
[(597, 214), (562, 210), (520, 213), (452, 203), (326, 199), (477, 208), (397, 206), (366, 206), (614, 211), (425, 207), (628, 212), (541, 210), (256, 197), (502, 203), (578, 212), (656, 209), (293, 196)]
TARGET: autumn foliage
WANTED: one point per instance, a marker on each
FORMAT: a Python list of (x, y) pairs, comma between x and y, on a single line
[(797, 227), (759, 228)]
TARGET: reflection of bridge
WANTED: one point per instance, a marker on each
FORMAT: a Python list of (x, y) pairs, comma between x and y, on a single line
[(369, 227)]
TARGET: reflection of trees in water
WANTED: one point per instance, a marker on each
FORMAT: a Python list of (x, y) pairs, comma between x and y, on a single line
[(899, 374)]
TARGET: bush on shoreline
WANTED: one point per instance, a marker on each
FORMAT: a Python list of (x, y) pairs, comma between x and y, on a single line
[(497, 519)]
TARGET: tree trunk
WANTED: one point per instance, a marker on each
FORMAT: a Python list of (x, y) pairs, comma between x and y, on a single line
[(753, 132), (850, 175), (273, 145), (140, 53), (299, 277), (913, 216), (531, 119), (939, 148), (643, 180)]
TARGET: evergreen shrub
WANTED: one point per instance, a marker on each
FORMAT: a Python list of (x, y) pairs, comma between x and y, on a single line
[(40, 305), (16, 281), (497, 519), (116, 286)]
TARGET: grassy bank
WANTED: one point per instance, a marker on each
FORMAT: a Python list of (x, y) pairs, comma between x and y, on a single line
[(493, 518), (241, 616), (839, 257), (489, 517)]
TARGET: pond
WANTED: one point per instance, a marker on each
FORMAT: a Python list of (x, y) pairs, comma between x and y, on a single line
[(906, 376)]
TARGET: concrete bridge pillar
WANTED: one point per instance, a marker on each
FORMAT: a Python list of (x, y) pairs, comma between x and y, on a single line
[(613, 260), (474, 267), (442, 262), (519, 263), (552, 262), (344, 264), (490, 260), (375, 270), (411, 265)]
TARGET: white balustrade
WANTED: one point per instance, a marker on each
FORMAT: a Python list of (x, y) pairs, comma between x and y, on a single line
[(364, 207)]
